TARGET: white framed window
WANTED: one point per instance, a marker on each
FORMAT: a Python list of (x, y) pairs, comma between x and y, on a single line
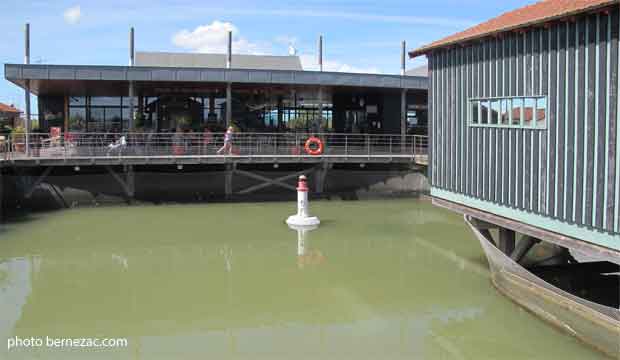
[(528, 112)]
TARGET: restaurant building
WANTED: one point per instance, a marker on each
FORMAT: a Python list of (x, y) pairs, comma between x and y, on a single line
[(182, 91)]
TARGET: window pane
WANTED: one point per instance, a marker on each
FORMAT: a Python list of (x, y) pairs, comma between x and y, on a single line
[(541, 112), (77, 119), (495, 109), (475, 112), (101, 100), (516, 111), (113, 119), (528, 111), (505, 117), (96, 120), (77, 100), (484, 112)]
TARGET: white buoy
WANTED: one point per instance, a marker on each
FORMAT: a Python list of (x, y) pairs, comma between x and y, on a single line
[(302, 218)]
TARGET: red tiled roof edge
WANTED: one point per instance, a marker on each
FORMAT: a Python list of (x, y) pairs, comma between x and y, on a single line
[(537, 13), (8, 109)]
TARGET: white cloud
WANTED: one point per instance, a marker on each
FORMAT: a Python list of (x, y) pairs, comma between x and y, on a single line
[(309, 62), (213, 38), (72, 15)]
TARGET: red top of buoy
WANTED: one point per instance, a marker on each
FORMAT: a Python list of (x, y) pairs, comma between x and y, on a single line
[(301, 184)]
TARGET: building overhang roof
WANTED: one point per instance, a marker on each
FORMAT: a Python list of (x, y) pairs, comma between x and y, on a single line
[(109, 80)]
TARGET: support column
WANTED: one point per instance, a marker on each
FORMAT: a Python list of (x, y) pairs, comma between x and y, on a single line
[(228, 105), (320, 176), (132, 115), (66, 113), (211, 106), (228, 188), (130, 122), (229, 85), (27, 119), (131, 181), (506, 241), (403, 120), (27, 89), (319, 121)]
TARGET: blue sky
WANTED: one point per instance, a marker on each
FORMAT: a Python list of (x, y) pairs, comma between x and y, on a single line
[(360, 35)]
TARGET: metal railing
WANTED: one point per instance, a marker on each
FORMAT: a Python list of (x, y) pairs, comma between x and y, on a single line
[(71, 145)]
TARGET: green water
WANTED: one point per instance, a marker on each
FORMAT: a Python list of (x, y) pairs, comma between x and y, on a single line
[(378, 280)]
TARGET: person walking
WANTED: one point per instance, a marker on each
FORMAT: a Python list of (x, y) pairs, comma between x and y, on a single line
[(228, 137)]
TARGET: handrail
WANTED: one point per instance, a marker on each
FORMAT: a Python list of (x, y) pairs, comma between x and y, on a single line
[(132, 144)]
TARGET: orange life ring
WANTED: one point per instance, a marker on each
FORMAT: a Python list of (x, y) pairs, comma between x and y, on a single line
[(313, 140)]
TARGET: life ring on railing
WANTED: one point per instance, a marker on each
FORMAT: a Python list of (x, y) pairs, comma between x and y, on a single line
[(315, 142)]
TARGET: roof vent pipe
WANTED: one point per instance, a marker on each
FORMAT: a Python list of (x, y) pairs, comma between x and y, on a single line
[(402, 58), (27, 44), (229, 51), (132, 51), (320, 59)]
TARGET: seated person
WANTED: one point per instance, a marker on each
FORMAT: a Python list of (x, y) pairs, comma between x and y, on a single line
[(118, 144)]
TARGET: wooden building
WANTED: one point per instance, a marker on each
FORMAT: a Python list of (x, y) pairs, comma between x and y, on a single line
[(524, 113), (525, 140)]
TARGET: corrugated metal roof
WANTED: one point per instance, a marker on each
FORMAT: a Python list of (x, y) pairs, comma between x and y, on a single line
[(218, 61), (418, 71), (534, 14)]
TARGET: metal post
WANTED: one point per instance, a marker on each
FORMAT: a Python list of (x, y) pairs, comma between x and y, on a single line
[(228, 104), (320, 54), (319, 125), (229, 51), (131, 47), (403, 118), (27, 92), (131, 84), (228, 85), (402, 58)]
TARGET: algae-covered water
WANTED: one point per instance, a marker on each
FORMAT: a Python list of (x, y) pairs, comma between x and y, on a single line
[(397, 279)]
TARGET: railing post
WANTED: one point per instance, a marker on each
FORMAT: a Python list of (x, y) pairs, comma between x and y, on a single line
[(368, 144), (390, 145), (297, 144), (346, 145)]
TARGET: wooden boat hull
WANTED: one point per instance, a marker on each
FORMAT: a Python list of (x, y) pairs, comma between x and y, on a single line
[(592, 323)]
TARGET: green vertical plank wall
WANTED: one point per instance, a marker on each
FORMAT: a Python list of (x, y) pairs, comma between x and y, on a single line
[(565, 174)]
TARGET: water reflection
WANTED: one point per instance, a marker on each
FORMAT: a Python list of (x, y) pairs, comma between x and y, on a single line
[(306, 256), (15, 287), (402, 281)]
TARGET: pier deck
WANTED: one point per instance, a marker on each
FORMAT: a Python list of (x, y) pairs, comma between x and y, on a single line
[(201, 148)]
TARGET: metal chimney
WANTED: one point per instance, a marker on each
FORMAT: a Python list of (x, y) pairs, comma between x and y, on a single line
[(320, 54), (229, 51), (132, 51), (402, 58)]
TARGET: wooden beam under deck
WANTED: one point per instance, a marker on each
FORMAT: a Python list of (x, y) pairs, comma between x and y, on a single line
[(533, 231)]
